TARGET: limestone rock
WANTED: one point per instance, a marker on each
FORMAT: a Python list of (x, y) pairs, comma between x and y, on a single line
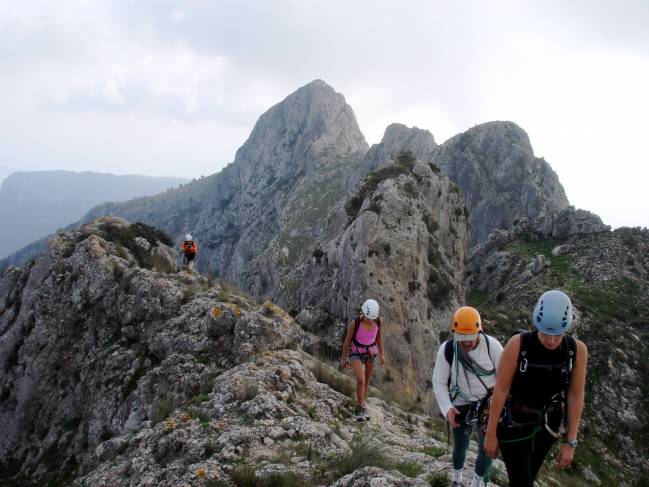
[(502, 180), (397, 138), (562, 249), (400, 239)]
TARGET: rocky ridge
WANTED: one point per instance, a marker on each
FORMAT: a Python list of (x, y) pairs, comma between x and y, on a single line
[(115, 370), (492, 163)]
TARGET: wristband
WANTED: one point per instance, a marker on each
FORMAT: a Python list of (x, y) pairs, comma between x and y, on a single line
[(572, 442)]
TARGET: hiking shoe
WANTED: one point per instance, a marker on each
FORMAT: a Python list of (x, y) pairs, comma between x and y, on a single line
[(365, 414), (456, 484), (360, 414)]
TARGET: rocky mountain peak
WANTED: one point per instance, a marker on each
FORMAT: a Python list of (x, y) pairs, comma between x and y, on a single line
[(502, 180), (310, 124), (397, 138)]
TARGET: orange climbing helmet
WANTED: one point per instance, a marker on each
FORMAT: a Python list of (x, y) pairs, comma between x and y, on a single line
[(466, 324)]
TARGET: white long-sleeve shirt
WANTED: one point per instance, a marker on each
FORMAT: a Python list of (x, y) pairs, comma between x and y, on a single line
[(472, 389)]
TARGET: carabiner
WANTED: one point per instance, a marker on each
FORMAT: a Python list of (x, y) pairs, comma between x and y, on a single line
[(523, 365)]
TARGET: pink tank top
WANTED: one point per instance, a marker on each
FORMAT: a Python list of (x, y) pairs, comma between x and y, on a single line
[(365, 337)]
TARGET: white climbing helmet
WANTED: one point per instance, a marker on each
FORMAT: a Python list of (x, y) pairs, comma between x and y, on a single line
[(188, 236), (370, 309)]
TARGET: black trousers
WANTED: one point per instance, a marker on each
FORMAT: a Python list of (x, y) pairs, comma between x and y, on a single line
[(524, 458)]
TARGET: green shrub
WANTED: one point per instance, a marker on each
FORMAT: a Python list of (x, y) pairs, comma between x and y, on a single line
[(162, 409), (125, 237), (199, 358), (438, 479), (249, 390), (433, 451), (434, 167), (334, 379), (199, 399), (364, 453), (244, 476), (409, 469), (402, 163)]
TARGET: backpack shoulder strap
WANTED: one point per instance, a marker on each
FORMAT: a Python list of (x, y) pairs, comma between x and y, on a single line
[(357, 324), (526, 337), (486, 339), (448, 351), (571, 351)]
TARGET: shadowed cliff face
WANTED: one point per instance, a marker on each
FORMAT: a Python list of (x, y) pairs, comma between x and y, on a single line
[(400, 238)]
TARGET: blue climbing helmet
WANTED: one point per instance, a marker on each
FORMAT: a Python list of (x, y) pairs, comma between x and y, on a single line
[(553, 313)]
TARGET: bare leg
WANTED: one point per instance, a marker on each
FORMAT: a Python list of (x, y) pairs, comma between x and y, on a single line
[(359, 372), (369, 367)]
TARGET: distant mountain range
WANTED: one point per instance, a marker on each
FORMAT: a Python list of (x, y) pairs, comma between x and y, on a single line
[(35, 204)]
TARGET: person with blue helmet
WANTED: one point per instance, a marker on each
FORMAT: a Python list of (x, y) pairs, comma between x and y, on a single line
[(539, 393)]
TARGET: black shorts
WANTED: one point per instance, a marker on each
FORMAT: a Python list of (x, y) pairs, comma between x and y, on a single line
[(366, 358)]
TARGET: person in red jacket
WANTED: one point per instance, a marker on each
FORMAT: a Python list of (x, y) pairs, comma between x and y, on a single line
[(189, 248)]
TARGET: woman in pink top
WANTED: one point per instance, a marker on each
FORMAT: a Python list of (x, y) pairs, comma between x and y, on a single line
[(363, 343)]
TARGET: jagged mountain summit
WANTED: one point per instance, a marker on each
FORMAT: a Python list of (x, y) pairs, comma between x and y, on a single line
[(262, 215), (494, 166), (35, 204), (502, 180)]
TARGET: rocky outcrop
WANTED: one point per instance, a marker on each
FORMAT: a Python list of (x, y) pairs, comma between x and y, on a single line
[(93, 345), (502, 180), (492, 265), (494, 166), (400, 239), (396, 139)]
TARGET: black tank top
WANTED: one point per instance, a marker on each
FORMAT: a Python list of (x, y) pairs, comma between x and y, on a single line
[(545, 375)]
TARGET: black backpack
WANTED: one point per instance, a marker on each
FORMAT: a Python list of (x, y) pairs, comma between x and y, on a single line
[(449, 350)]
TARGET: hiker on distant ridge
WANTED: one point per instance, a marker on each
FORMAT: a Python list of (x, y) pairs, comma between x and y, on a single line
[(364, 343), (463, 379), (189, 248), (540, 391)]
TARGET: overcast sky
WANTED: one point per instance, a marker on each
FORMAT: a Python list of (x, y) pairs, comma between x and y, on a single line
[(173, 88)]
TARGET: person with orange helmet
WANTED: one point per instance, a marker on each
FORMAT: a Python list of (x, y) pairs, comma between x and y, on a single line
[(463, 378)]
